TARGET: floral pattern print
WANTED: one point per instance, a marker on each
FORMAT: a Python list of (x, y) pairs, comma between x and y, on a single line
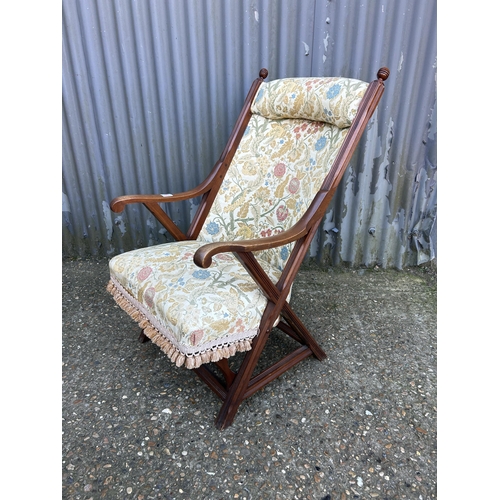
[(280, 163), (329, 100), (271, 181), (196, 315), (212, 228), (194, 308), (279, 170), (144, 273)]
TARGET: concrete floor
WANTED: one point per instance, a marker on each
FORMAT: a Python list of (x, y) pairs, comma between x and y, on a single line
[(361, 424)]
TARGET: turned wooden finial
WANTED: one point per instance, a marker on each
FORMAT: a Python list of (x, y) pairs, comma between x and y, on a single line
[(263, 73), (383, 73)]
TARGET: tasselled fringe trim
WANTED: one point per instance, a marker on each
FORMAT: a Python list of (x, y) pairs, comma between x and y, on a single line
[(188, 360)]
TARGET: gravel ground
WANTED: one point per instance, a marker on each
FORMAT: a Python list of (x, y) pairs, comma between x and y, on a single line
[(361, 424)]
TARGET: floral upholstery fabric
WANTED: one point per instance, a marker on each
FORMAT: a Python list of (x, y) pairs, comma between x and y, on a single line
[(282, 160), (276, 171), (200, 315), (195, 309), (329, 100)]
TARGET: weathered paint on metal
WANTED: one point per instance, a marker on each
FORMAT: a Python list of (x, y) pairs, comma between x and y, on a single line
[(151, 91)]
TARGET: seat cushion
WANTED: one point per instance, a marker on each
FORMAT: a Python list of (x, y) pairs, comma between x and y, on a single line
[(195, 315)]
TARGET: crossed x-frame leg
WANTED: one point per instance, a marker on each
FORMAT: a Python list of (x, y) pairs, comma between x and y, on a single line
[(237, 386), (241, 385)]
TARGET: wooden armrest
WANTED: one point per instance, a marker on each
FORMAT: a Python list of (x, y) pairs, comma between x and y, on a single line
[(152, 201), (118, 204), (203, 256)]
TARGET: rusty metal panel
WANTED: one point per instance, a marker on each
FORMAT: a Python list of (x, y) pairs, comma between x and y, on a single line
[(151, 91)]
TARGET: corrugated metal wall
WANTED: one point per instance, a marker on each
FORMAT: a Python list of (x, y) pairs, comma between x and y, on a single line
[(152, 89)]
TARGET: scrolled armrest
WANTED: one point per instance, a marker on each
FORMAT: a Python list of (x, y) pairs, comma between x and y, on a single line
[(203, 256), (118, 204)]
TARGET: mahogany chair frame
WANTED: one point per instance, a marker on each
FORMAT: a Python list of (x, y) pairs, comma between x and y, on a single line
[(239, 385)]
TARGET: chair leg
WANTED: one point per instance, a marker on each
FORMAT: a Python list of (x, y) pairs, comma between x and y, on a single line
[(236, 393), (299, 328), (143, 338), (229, 375)]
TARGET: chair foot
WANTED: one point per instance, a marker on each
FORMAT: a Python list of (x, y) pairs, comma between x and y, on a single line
[(225, 420), (143, 338)]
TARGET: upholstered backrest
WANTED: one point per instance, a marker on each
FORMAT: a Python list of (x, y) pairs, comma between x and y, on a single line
[(294, 134)]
